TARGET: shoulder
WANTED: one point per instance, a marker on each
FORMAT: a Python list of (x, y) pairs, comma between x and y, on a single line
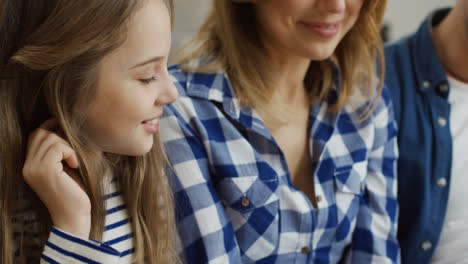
[(369, 105), (399, 48), (373, 118), (210, 86), (384, 120), (383, 114), (399, 59), (201, 95)]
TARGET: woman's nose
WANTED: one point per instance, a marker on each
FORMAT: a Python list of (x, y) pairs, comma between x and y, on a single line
[(333, 6)]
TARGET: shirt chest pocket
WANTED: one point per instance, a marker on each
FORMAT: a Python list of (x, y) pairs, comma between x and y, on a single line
[(252, 206), (349, 184)]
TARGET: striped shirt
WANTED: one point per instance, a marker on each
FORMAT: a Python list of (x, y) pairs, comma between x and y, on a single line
[(235, 200), (61, 247)]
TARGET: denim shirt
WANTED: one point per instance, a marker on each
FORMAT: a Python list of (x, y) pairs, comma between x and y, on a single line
[(234, 197), (419, 89)]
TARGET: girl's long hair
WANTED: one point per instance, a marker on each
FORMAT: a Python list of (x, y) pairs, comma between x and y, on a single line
[(229, 41), (49, 53)]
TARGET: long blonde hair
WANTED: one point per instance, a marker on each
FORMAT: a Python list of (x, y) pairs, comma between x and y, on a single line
[(49, 52), (229, 41)]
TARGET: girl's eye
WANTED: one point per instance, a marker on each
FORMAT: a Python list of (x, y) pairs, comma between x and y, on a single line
[(148, 81)]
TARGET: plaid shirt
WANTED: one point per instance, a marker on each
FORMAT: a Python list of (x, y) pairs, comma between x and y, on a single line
[(234, 196)]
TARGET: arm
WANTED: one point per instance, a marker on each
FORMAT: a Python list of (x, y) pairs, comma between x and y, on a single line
[(49, 171), (63, 247), (374, 239), (206, 233)]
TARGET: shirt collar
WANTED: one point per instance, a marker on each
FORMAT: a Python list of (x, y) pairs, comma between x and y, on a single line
[(429, 69), (218, 88)]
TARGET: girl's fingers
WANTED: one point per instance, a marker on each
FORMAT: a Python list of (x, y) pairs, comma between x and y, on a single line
[(50, 125), (49, 171), (71, 159), (37, 137), (57, 153), (51, 140)]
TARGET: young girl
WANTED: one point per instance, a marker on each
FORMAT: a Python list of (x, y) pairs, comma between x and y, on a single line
[(282, 149), (81, 92)]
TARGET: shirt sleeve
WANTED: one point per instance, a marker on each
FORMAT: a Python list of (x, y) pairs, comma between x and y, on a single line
[(205, 231), (375, 236), (65, 248)]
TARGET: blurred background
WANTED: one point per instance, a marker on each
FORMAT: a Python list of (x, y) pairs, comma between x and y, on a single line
[(402, 17)]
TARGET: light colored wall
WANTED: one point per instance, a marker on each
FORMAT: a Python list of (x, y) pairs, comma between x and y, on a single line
[(404, 16), (189, 15)]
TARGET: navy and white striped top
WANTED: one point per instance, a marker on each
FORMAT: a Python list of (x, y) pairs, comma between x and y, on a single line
[(61, 247)]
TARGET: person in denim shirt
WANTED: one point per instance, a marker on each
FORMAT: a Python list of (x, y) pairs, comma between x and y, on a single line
[(282, 149), (428, 76)]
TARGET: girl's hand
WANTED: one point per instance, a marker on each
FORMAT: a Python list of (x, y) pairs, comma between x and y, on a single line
[(49, 171)]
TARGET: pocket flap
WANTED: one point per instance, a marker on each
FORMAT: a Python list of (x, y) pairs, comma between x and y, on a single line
[(350, 178), (248, 192)]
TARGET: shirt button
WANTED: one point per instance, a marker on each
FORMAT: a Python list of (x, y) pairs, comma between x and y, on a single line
[(441, 182), (318, 198), (443, 88), (305, 250), (426, 84), (442, 121), (426, 245), (245, 202)]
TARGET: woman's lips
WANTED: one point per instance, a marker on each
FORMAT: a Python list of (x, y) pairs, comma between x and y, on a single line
[(326, 30)]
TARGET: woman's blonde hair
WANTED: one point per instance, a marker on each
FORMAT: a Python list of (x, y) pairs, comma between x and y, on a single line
[(49, 56), (230, 41)]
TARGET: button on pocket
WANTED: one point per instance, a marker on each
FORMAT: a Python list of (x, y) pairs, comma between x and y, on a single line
[(246, 193), (245, 202), (252, 206), (349, 179)]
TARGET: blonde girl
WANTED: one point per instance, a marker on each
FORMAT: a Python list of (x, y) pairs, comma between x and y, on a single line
[(81, 168)]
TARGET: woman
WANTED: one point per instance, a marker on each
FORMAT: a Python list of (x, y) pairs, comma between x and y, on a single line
[(282, 149), (83, 85)]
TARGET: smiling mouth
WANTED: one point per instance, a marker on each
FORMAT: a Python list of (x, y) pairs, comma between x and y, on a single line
[(327, 26), (152, 121), (151, 126), (326, 30)]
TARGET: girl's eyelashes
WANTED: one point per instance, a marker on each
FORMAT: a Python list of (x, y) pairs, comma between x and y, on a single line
[(148, 80)]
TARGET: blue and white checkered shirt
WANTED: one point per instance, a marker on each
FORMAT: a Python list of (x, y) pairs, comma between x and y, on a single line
[(234, 197)]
